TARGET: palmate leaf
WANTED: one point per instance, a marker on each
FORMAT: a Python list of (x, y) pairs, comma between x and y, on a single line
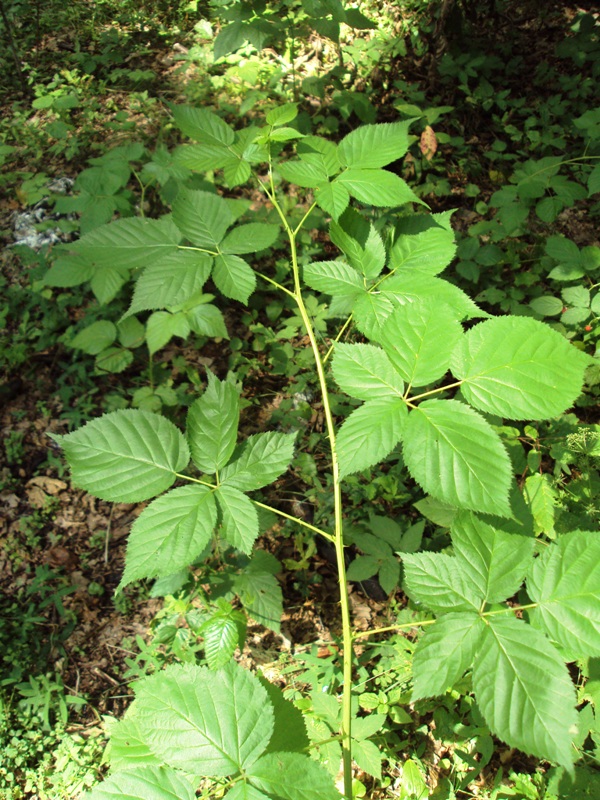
[(218, 722), (171, 281), (234, 277), (373, 146), (496, 562), (370, 433), (333, 277), (457, 458), (292, 776), (444, 653), (264, 457), (524, 691), (240, 518), (440, 583), (202, 217), (519, 368), (212, 425), (419, 339), (170, 533), (365, 372), (127, 456), (128, 243), (144, 783), (565, 582)]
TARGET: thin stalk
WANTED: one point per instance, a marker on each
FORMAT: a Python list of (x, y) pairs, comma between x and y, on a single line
[(347, 655)]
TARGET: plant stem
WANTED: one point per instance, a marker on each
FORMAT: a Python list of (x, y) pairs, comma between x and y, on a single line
[(347, 655)]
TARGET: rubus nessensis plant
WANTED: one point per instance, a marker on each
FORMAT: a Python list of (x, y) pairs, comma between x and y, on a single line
[(508, 606)]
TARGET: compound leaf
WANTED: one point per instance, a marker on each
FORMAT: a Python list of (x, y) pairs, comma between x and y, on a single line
[(565, 582), (524, 691), (126, 456), (264, 457), (457, 458), (419, 339), (444, 653), (365, 372), (212, 425), (519, 368), (218, 721), (370, 433), (144, 783), (240, 518)]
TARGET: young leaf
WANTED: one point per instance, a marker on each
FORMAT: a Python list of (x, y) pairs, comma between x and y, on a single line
[(125, 457), (128, 243), (376, 187), (365, 372), (333, 198), (419, 339), (373, 146), (541, 498), (212, 424), (292, 776), (370, 433), (333, 277), (440, 583), (250, 238), (162, 326), (524, 690), (240, 518), (202, 125), (368, 757), (565, 582), (264, 457), (496, 561), (519, 368), (95, 338), (371, 310), (457, 458), (202, 217), (217, 723), (144, 783), (221, 637), (170, 533), (429, 251), (261, 596), (444, 653), (234, 277), (171, 281), (360, 242), (282, 114)]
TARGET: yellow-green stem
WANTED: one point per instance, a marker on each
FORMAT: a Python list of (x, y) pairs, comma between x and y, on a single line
[(347, 655)]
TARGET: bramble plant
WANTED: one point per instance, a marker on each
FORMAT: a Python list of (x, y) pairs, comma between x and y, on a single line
[(404, 333)]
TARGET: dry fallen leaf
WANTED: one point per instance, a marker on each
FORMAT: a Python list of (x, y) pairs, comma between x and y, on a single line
[(428, 143)]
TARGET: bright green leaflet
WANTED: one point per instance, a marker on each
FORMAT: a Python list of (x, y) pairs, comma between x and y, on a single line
[(212, 425), (127, 456), (172, 280), (565, 582), (170, 533), (144, 783), (365, 372), (240, 518), (519, 368), (373, 146), (264, 457), (370, 433), (439, 582)]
